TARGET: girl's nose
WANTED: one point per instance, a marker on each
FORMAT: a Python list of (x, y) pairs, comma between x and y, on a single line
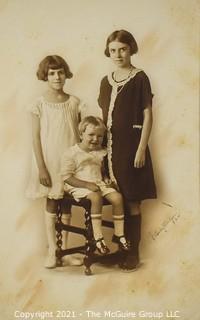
[(118, 55), (57, 75)]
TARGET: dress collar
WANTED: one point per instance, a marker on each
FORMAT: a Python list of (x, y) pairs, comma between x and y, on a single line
[(113, 83)]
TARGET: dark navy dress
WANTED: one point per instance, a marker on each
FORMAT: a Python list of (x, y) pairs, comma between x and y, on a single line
[(122, 107)]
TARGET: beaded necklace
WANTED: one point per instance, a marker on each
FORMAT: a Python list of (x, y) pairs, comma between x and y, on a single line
[(121, 87), (129, 74)]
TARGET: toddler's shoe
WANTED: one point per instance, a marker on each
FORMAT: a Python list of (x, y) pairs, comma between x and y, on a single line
[(121, 241), (101, 246)]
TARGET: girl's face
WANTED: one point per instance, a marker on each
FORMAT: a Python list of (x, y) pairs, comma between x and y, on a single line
[(120, 54), (92, 138), (56, 78)]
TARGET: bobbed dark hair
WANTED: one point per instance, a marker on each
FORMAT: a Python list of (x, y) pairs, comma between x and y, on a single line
[(124, 37), (52, 62)]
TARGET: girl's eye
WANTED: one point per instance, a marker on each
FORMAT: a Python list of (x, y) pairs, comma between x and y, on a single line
[(112, 50)]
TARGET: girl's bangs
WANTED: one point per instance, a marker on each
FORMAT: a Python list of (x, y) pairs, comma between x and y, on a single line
[(55, 65)]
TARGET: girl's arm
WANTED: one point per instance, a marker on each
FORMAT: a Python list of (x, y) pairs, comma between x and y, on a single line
[(139, 161), (74, 182), (44, 176)]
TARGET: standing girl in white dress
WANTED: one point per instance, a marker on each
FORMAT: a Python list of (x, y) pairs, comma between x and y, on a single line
[(55, 119)]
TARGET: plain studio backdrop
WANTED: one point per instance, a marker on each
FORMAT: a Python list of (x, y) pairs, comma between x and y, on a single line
[(167, 36)]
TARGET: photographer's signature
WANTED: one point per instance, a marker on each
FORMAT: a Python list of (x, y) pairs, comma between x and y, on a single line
[(172, 220)]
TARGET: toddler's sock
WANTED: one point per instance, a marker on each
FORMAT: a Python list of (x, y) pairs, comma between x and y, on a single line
[(118, 224), (96, 225)]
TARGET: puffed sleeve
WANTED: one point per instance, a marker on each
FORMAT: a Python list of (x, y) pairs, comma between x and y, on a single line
[(36, 108), (146, 93), (79, 106), (68, 165), (82, 107)]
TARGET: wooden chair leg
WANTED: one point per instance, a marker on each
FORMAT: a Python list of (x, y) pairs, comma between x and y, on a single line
[(89, 244), (58, 226)]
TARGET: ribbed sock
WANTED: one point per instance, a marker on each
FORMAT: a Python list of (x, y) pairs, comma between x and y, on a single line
[(118, 225)]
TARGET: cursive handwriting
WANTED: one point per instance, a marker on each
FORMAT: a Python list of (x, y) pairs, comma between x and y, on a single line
[(165, 225)]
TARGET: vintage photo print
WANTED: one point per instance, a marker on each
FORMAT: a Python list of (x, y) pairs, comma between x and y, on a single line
[(129, 70)]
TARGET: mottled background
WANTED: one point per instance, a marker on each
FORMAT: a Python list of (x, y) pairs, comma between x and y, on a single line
[(167, 32)]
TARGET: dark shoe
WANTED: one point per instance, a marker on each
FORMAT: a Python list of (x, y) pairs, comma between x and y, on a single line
[(131, 262), (101, 246), (121, 241), (112, 259)]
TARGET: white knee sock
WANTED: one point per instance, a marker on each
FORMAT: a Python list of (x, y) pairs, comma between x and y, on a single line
[(96, 225), (50, 219), (118, 225)]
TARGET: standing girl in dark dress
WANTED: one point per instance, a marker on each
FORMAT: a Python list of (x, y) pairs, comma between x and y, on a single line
[(126, 100)]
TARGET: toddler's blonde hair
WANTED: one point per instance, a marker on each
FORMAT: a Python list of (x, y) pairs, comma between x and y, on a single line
[(95, 121)]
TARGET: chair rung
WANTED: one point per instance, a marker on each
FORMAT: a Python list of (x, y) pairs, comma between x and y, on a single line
[(74, 229), (80, 249)]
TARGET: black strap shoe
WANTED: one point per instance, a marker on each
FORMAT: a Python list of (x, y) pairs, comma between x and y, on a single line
[(101, 246), (121, 241)]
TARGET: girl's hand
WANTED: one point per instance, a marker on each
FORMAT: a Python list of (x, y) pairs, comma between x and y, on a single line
[(139, 161), (92, 186), (45, 178)]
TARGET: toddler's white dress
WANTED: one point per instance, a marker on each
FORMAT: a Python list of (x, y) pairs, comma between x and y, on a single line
[(84, 166), (59, 130)]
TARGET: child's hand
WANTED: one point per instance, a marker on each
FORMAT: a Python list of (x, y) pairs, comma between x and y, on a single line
[(92, 186), (45, 178), (139, 161), (108, 182)]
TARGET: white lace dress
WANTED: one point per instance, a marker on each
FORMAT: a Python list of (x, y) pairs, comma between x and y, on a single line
[(85, 166), (59, 130)]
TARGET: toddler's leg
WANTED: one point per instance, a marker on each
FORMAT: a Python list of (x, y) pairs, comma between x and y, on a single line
[(50, 220), (115, 198), (96, 212)]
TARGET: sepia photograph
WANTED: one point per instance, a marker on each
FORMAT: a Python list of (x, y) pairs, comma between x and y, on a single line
[(99, 144)]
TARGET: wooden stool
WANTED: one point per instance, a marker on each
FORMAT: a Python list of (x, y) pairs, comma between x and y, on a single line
[(89, 246)]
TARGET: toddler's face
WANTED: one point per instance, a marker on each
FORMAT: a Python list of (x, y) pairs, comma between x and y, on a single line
[(92, 138), (56, 78), (120, 53)]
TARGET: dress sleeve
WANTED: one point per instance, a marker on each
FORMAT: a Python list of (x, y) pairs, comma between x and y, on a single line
[(104, 97), (68, 165), (82, 108), (100, 102), (36, 108), (146, 93)]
